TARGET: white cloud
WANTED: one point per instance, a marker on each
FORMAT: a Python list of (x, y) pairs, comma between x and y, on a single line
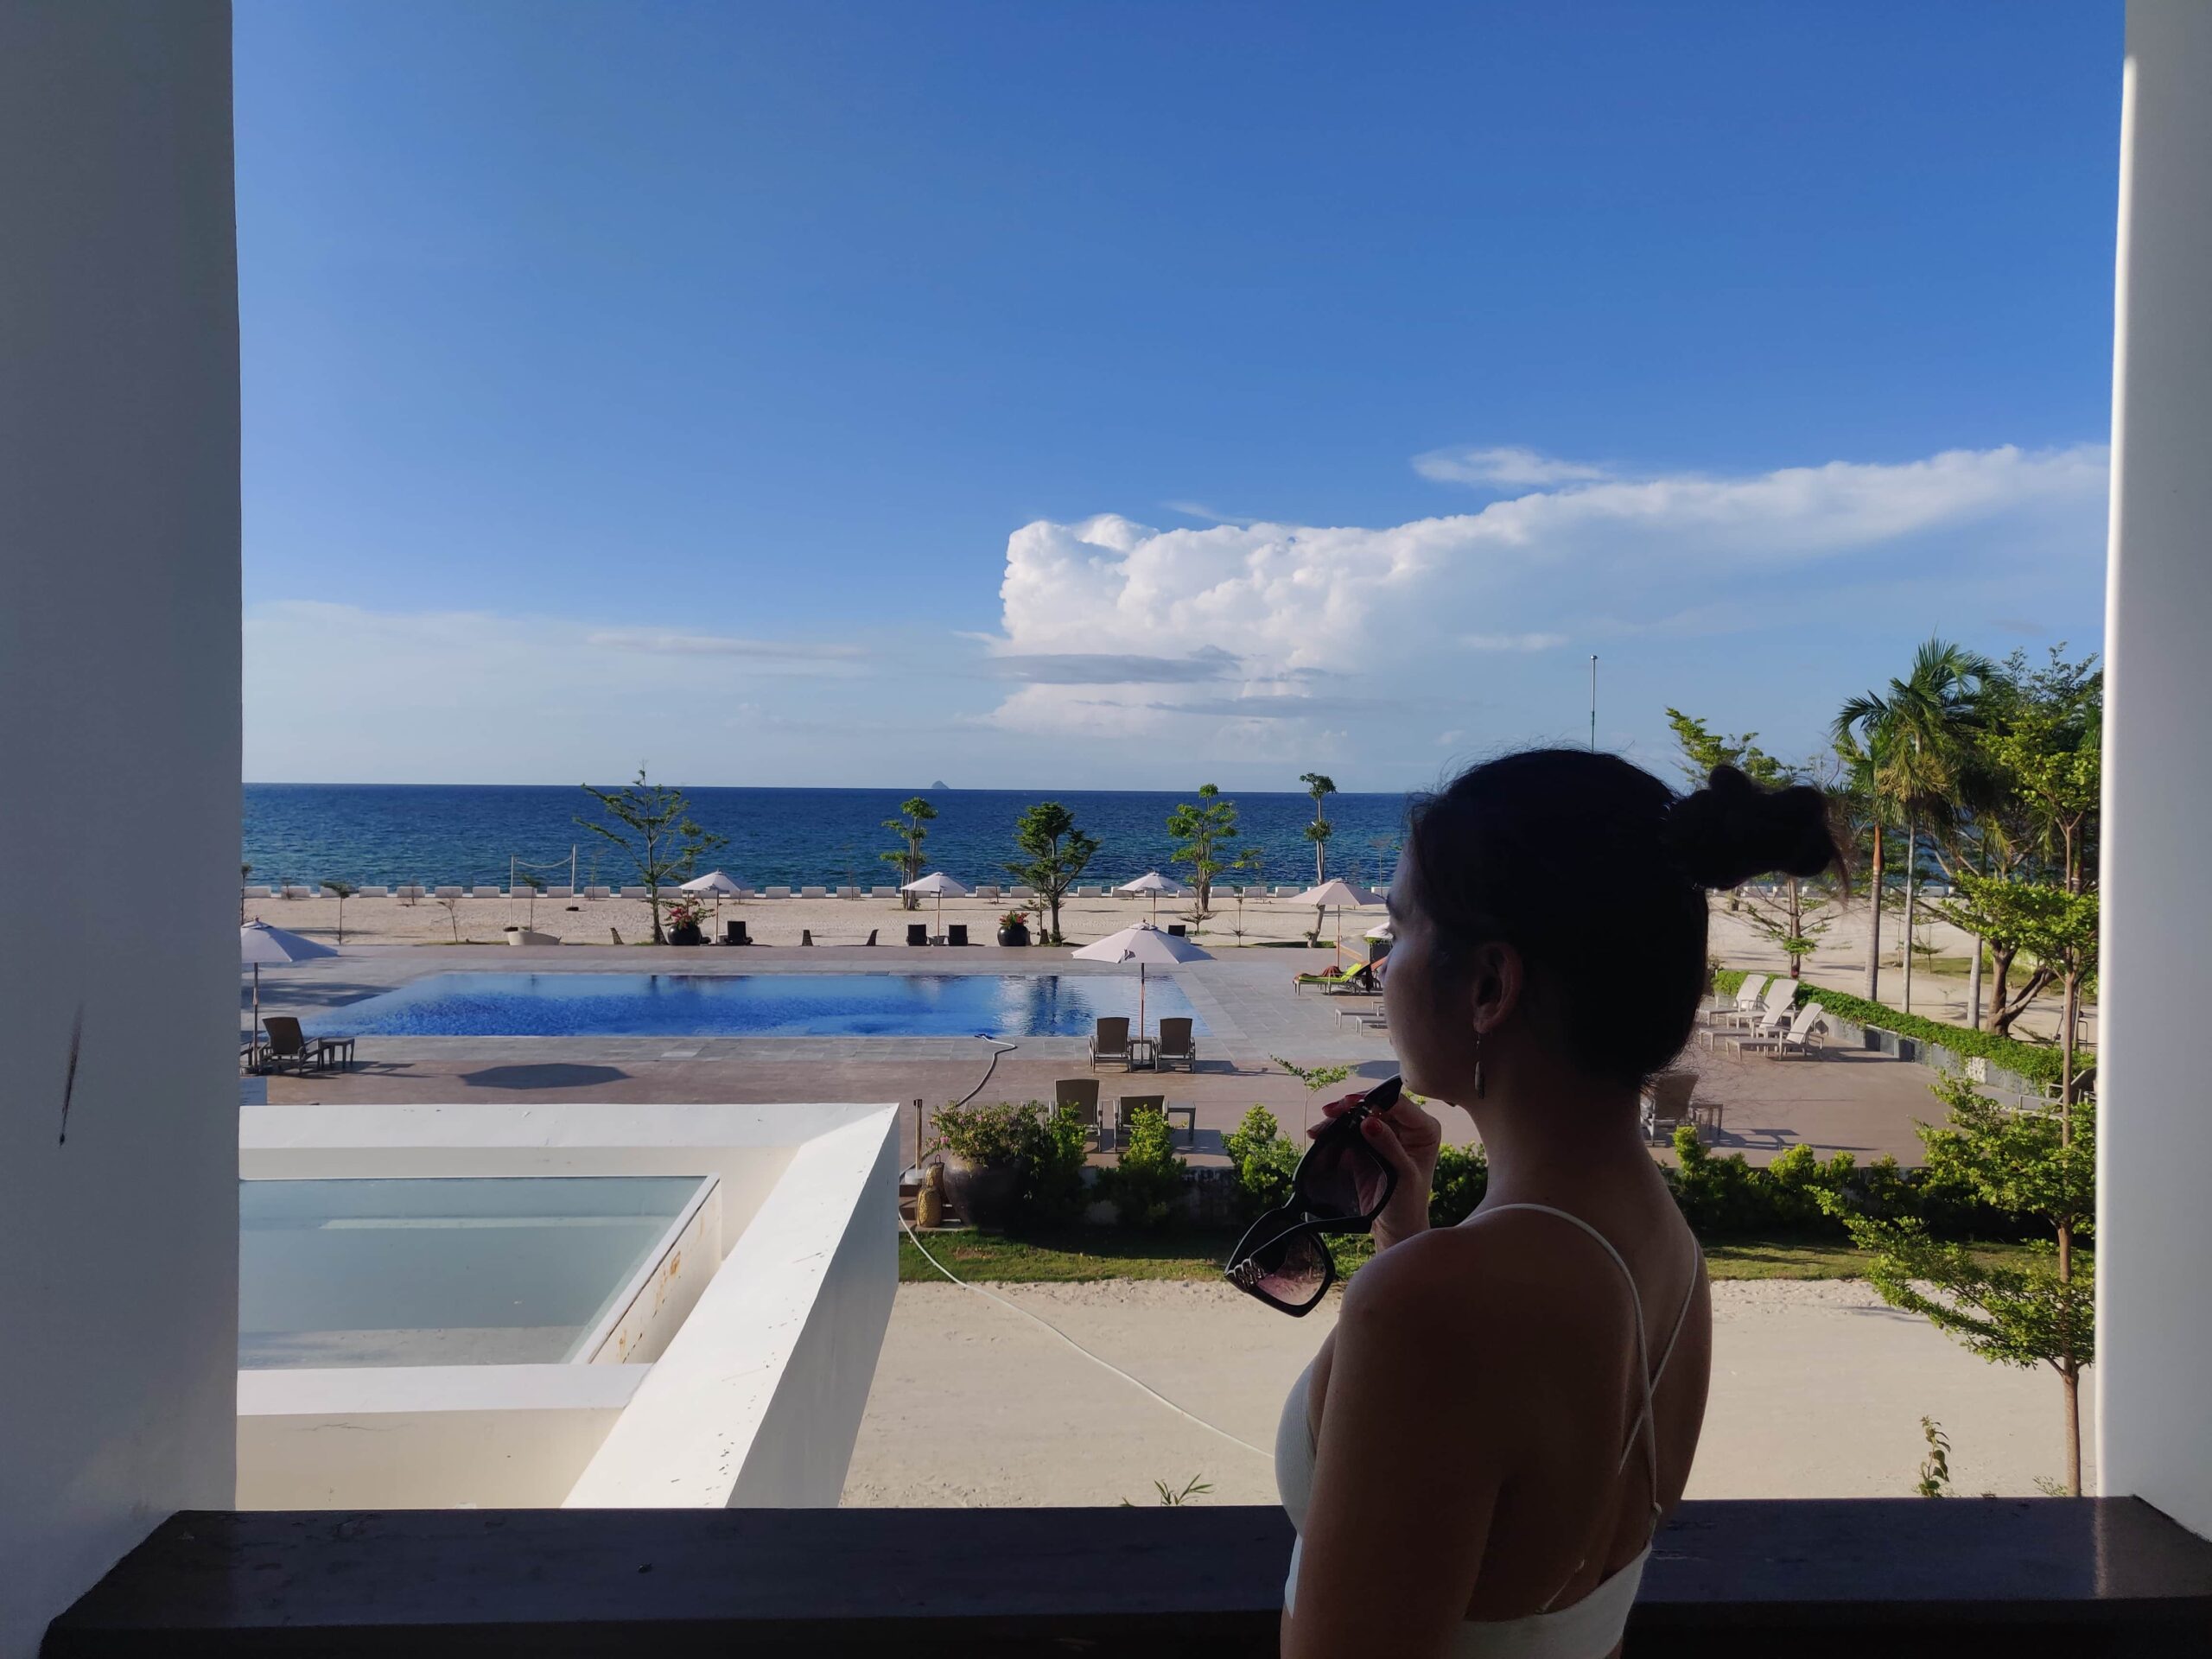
[(1511, 466), (1441, 608)]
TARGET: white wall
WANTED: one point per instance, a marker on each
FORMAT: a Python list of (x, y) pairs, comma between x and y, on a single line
[(119, 749), (2154, 1243)]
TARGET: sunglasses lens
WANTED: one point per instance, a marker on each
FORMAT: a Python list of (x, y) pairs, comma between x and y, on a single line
[(1341, 1177), (1292, 1269)]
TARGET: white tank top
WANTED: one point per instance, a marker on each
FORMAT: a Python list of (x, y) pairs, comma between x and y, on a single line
[(1588, 1629)]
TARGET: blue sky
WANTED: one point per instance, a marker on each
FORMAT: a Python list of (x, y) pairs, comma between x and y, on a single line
[(1091, 396)]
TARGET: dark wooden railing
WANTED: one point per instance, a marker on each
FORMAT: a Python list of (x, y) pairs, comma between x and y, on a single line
[(1875, 1578)]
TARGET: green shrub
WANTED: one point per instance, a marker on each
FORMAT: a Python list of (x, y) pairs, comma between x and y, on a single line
[(1147, 1186), (1033, 1136), (1265, 1160), (1462, 1177), (2034, 1062)]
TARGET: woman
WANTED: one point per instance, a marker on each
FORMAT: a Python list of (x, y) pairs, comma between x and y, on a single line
[(1479, 1456)]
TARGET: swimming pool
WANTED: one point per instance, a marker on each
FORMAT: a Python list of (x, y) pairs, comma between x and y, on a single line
[(754, 1005)]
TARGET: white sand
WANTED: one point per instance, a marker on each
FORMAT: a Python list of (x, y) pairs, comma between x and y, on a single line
[(1818, 1391)]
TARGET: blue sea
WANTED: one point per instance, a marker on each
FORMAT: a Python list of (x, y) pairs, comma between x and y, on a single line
[(386, 834)]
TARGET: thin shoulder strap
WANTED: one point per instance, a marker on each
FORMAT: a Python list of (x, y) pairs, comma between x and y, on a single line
[(1642, 1429)]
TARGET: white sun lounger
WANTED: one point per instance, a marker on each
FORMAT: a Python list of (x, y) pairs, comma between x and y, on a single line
[(812, 892)]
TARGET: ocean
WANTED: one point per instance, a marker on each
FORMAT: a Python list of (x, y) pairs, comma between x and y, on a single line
[(387, 833)]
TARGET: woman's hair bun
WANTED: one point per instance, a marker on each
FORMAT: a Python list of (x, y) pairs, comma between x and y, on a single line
[(1732, 830)]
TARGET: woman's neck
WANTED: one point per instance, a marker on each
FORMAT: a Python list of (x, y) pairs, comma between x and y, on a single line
[(1548, 1129)]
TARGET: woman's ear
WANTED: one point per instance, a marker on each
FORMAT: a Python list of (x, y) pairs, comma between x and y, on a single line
[(1493, 986)]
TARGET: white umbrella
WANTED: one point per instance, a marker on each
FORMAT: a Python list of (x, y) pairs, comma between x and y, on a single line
[(716, 883), (1338, 895), (938, 884), (719, 884), (259, 943), (1385, 931), (1147, 946), (1154, 883)]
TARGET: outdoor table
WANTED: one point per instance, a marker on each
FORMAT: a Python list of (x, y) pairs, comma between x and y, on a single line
[(1188, 1114), (336, 1047), (1144, 1054)]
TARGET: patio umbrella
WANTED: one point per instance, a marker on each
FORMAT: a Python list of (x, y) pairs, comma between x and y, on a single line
[(1147, 946), (259, 943), (1154, 883), (717, 884), (938, 885), (1338, 895)]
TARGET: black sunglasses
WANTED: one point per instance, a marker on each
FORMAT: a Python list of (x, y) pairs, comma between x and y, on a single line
[(1340, 1186)]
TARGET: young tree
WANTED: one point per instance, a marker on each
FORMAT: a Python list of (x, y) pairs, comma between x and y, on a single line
[(537, 885), (912, 828), (1054, 853), (654, 827), (1199, 831), (2035, 1163), (1320, 786), (1253, 860), (244, 870), (1914, 750), (341, 891), (452, 907)]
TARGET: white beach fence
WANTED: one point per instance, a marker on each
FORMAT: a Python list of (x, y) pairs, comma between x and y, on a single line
[(1339, 896), (1154, 883), (939, 886), (259, 943), (1147, 946)]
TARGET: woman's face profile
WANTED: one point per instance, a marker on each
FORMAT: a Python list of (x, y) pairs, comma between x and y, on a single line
[(1432, 1021)]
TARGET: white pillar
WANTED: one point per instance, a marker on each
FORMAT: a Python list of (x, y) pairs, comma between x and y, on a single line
[(119, 761), (2154, 1222)]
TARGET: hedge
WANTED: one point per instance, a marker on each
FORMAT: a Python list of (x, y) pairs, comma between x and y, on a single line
[(2035, 1062)]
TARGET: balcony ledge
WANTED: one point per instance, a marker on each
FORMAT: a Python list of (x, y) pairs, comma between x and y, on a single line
[(1896, 1577)]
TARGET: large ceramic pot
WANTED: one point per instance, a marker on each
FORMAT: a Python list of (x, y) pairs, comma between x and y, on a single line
[(684, 935), (982, 1193), (1013, 936)]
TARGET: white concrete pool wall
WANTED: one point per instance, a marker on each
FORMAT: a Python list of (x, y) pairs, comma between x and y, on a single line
[(755, 1399)]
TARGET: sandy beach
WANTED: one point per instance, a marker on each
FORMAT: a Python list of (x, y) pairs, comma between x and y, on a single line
[(1818, 1390)]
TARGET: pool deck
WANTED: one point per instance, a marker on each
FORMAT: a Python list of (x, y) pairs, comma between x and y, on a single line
[(1862, 1103)]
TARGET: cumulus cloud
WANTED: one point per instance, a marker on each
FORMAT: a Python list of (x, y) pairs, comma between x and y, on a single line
[(1506, 468), (1111, 668), (1322, 612)]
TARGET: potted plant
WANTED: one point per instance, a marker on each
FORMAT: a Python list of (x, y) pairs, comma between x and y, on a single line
[(1013, 927), (985, 1150), (685, 915)]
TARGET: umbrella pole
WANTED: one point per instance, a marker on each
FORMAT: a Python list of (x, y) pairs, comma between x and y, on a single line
[(1140, 999), (254, 1036)]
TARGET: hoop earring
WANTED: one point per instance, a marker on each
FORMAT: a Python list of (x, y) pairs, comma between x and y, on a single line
[(1478, 1065)]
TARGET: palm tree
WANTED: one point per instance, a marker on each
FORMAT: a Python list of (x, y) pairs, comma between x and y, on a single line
[(1907, 745), (1320, 786)]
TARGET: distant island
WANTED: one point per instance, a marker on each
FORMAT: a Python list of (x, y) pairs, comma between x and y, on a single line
[(940, 784)]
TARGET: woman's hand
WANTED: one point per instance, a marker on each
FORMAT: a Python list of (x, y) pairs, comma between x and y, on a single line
[(1407, 1139)]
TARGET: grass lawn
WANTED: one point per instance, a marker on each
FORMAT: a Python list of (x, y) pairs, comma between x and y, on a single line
[(1097, 1254)]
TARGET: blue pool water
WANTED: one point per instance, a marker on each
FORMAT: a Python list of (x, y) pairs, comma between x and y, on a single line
[(754, 1005)]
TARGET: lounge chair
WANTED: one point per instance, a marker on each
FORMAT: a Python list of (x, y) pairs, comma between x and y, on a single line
[(734, 931), (806, 936), (1177, 1047), (1078, 1097), (1800, 1040), (614, 935), (1357, 979), (1754, 1018), (1372, 1016), (956, 932), (1739, 1007), (1670, 1101), (918, 933), (288, 1046), (871, 937), (1110, 1042)]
